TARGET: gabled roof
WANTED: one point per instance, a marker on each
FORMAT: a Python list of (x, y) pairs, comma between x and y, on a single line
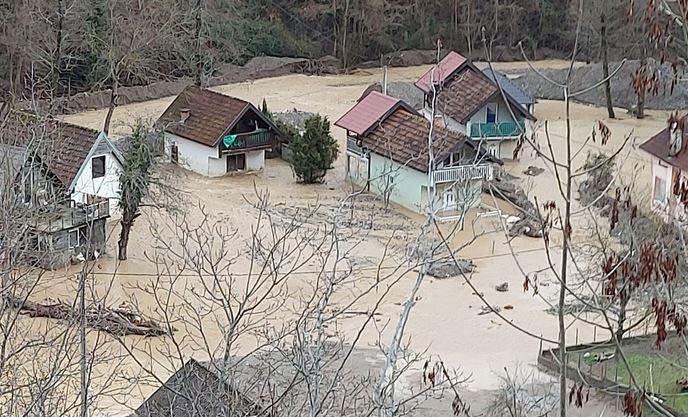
[(465, 94), (369, 111), (509, 87), (62, 147), (403, 138), (196, 391), (445, 69), (658, 146), (211, 115)]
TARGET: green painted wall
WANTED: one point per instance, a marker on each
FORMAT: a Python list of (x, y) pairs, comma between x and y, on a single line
[(404, 183)]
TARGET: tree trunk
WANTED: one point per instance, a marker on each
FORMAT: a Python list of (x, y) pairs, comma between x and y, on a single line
[(113, 104), (605, 67), (199, 43), (640, 110), (124, 239), (57, 57)]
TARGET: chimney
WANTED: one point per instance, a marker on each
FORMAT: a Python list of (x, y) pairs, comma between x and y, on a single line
[(184, 114), (675, 135)]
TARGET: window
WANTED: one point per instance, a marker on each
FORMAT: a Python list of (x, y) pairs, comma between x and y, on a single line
[(174, 153), (491, 110), (98, 166), (660, 190), (74, 238)]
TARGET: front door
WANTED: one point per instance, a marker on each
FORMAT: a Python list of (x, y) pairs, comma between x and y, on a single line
[(449, 199), (236, 162)]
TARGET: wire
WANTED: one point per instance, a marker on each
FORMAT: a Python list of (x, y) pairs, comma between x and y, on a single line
[(245, 274)]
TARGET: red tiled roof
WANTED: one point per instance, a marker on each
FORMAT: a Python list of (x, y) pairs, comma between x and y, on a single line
[(658, 146), (62, 147), (368, 111), (465, 94), (403, 137), (211, 114), (447, 66)]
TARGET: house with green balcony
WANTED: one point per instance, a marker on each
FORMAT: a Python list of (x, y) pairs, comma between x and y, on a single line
[(477, 103), (391, 152), (214, 134)]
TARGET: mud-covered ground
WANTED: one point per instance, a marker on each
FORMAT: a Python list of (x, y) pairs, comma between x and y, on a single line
[(445, 320)]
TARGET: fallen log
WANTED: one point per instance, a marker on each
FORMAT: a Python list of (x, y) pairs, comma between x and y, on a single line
[(116, 321)]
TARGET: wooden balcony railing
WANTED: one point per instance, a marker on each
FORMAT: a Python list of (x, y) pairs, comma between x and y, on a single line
[(463, 173), (70, 217), (258, 139)]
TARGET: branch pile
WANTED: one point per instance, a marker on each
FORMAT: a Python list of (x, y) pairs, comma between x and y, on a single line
[(120, 321)]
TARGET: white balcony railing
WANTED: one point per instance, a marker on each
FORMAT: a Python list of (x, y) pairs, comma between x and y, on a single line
[(463, 173)]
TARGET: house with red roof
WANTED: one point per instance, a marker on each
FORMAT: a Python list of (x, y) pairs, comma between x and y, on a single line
[(392, 152), (214, 134), (669, 155), (473, 103)]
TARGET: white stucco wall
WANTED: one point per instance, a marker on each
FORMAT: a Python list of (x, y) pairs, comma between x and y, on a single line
[(196, 157), (204, 159), (255, 160), (106, 186), (664, 172)]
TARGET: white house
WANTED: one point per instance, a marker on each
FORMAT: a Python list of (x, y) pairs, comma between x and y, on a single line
[(669, 167), (214, 134), (64, 180), (472, 103), (388, 154)]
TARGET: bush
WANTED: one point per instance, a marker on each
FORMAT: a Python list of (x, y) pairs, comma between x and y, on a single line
[(315, 151)]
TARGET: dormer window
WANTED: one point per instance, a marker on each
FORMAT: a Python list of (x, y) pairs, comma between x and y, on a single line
[(98, 166)]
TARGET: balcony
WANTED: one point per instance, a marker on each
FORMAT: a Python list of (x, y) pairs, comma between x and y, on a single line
[(497, 130), (70, 217), (463, 173), (259, 139)]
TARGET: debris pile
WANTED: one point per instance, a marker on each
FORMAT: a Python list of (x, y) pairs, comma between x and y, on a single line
[(449, 268), (504, 187)]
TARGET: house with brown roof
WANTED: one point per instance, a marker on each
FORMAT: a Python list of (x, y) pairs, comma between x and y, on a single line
[(62, 180), (470, 102), (214, 134), (669, 155), (389, 153)]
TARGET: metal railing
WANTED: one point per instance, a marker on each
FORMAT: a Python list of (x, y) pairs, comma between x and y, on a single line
[(463, 173), (497, 130), (249, 140)]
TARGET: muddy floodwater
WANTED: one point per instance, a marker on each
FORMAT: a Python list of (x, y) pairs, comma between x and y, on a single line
[(445, 320)]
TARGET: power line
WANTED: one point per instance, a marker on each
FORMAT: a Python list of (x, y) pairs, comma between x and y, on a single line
[(309, 272)]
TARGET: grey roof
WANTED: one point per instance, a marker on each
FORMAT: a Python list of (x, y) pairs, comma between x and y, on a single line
[(515, 91), (252, 384)]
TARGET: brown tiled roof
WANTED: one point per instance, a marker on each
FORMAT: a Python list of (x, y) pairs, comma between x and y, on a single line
[(403, 137), (658, 146), (439, 74), (212, 114), (62, 147), (465, 94)]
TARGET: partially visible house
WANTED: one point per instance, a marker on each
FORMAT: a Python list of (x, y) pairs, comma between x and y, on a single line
[(61, 180), (388, 153), (197, 390), (266, 383), (510, 87), (214, 134), (669, 165), (470, 102)]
